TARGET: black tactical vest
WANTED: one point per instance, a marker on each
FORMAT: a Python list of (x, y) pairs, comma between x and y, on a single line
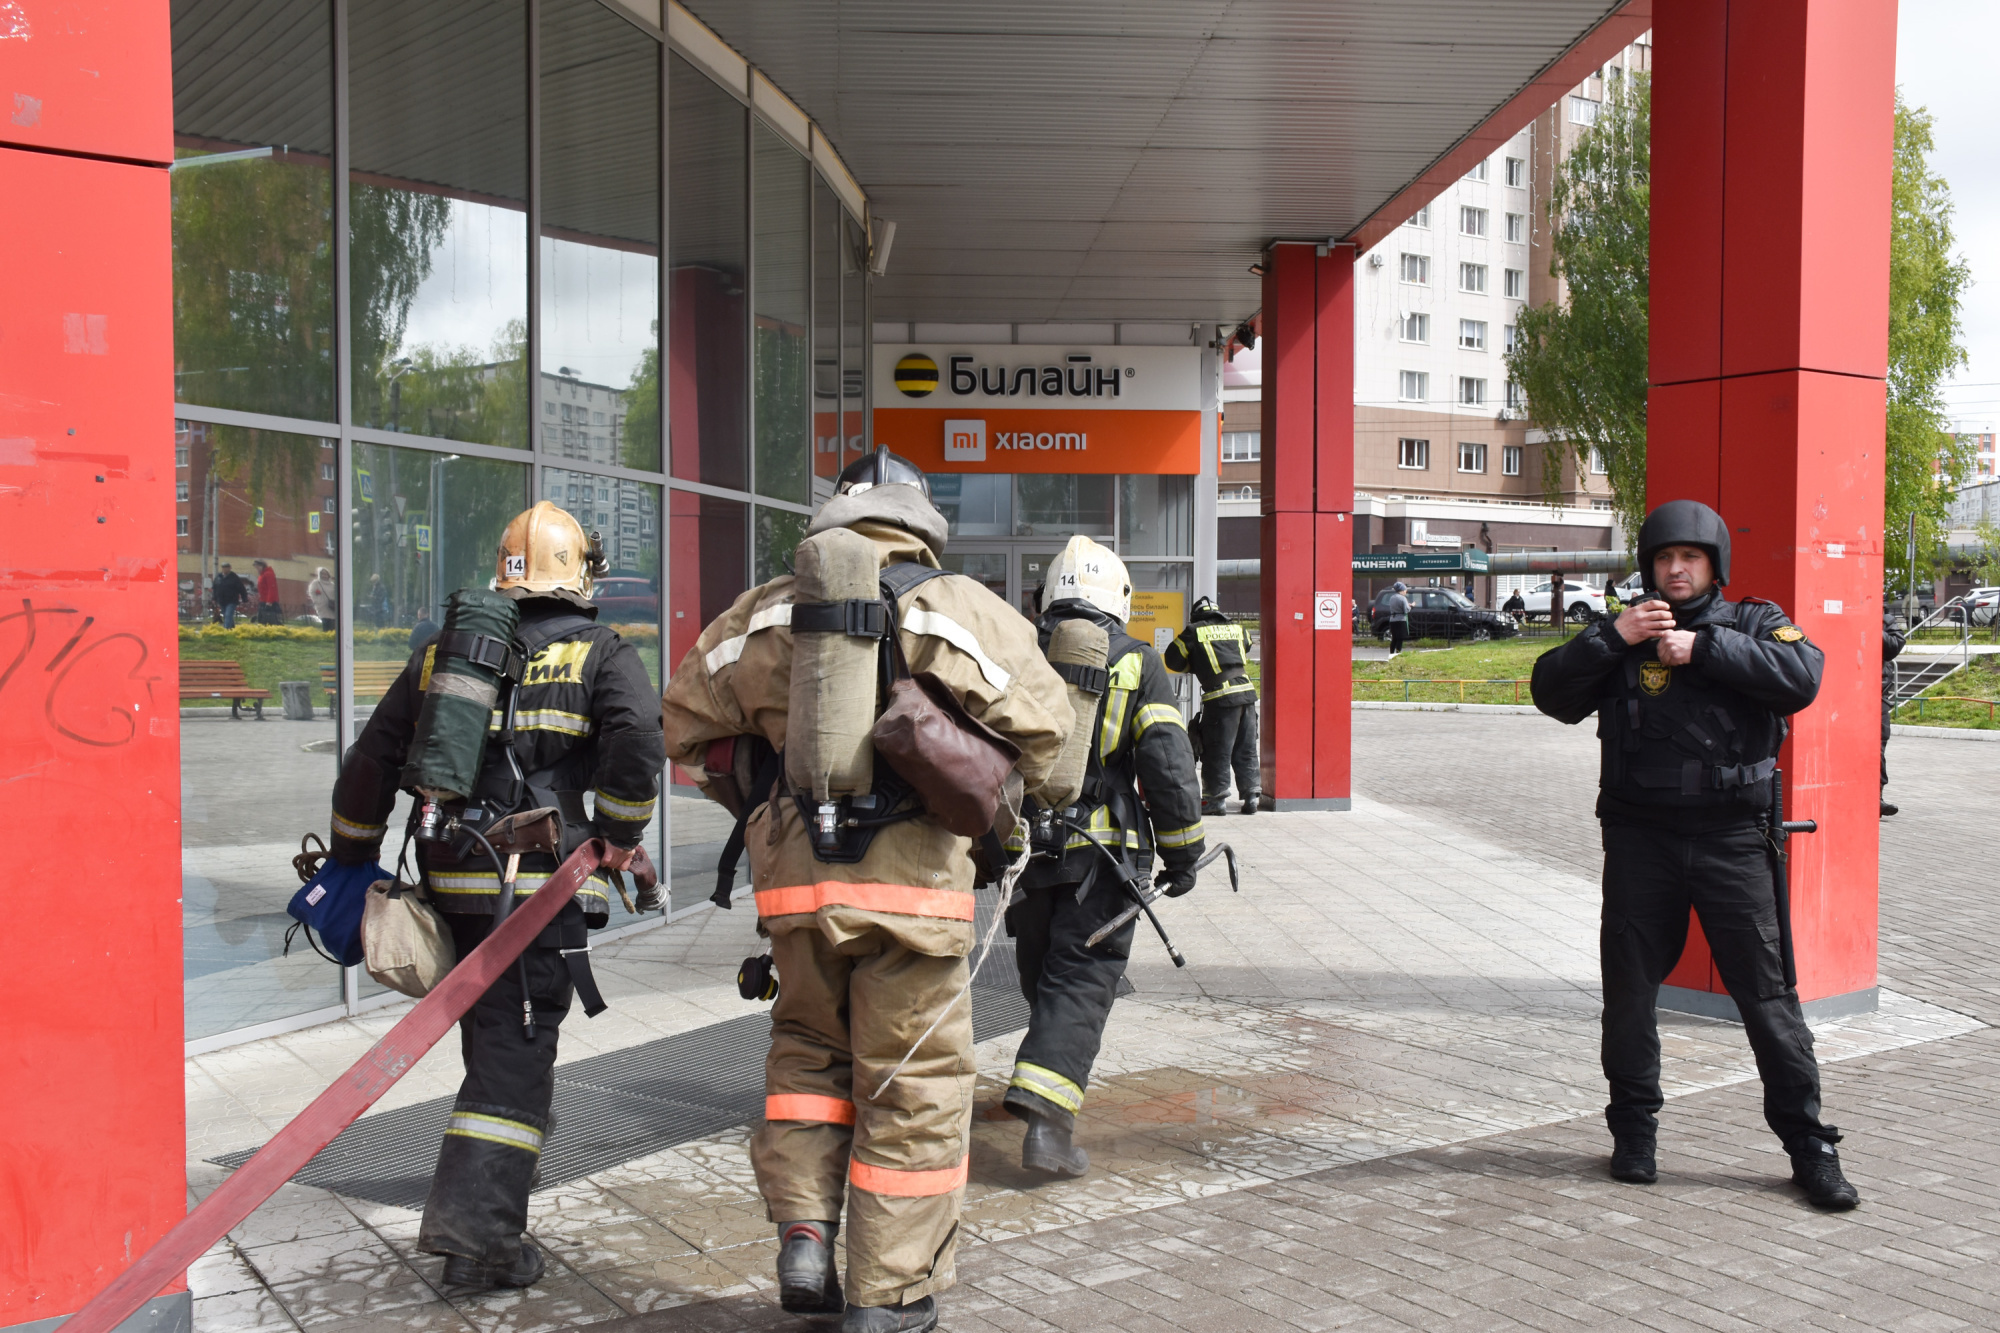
[(1672, 738)]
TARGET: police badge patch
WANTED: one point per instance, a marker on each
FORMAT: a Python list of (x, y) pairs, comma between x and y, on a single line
[(1654, 677), (1788, 634)]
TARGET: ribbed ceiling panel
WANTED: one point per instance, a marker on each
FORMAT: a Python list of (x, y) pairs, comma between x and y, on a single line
[(1096, 159)]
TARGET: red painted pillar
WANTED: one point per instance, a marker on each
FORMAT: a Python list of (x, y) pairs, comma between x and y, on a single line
[(93, 1169), (1772, 136), (1308, 489)]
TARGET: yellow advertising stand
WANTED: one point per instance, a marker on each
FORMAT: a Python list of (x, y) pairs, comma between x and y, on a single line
[(1157, 617)]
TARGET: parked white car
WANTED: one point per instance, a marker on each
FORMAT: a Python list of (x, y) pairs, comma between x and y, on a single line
[(1580, 600)]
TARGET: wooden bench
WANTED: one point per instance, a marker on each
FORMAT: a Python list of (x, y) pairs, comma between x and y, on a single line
[(370, 677), (221, 680)]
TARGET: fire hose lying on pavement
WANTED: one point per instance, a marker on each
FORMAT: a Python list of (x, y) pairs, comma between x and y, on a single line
[(352, 1093)]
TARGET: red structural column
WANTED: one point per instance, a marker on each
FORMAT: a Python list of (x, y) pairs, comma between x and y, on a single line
[(93, 1169), (1308, 504), (1772, 138)]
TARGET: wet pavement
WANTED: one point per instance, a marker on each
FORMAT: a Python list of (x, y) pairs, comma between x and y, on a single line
[(1371, 1101)]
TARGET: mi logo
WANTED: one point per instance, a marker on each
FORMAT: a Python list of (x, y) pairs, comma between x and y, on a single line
[(965, 441)]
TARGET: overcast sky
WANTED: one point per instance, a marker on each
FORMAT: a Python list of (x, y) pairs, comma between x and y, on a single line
[(1940, 63)]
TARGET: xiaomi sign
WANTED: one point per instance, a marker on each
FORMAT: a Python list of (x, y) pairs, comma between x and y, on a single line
[(1041, 409)]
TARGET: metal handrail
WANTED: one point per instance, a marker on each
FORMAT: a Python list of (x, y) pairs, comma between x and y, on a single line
[(1946, 698)]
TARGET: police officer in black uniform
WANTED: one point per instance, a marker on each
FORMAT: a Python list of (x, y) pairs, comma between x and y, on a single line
[(1217, 650), (586, 718), (1692, 692), (1070, 889)]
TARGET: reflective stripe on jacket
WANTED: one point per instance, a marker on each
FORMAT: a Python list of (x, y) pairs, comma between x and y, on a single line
[(1219, 654)]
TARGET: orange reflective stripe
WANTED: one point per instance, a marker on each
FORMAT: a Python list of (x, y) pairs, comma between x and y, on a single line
[(906, 1184), (902, 899), (808, 1106)]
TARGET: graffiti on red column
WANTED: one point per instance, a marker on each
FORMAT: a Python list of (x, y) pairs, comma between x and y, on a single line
[(89, 677)]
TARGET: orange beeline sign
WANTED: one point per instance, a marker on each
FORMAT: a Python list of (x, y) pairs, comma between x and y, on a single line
[(1047, 440)]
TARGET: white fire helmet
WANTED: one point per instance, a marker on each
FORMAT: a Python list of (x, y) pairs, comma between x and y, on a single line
[(1093, 572)]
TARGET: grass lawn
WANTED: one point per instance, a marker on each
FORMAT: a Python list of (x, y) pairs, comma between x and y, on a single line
[(266, 661), (1933, 708), (1493, 661)]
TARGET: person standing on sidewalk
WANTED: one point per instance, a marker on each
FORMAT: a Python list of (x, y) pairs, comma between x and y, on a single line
[(227, 591), (1217, 650), (1692, 692), (1138, 744), (269, 611), (1396, 609), (1892, 648), (870, 944)]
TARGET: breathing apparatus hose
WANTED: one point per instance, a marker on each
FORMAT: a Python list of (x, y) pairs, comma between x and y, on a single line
[(1132, 884)]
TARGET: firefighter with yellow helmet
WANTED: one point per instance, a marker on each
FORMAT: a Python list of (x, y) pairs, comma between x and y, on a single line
[(1134, 739), (576, 715)]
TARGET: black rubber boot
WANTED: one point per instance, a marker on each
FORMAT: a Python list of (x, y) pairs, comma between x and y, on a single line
[(916, 1317), (1816, 1170), (1213, 808), (1632, 1160), (1887, 809), (1252, 803), (808, 1282), (465, 1276), (1047, 1149)]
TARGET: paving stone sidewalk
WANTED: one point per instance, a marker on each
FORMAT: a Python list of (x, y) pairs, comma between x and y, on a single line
[(1370, 1103)]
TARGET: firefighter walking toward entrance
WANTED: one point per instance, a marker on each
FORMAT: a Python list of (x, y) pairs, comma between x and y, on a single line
[(1217, 650), (867, 898), (1134, 738), (1691, 692), (582, 718)]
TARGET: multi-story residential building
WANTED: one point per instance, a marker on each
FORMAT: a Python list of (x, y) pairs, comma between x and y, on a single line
[(1984, 462)]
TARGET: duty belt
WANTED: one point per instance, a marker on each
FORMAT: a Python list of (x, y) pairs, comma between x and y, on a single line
[(1693, 776)]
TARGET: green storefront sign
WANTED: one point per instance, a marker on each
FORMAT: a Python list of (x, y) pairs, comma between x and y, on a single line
[(1443, 562)]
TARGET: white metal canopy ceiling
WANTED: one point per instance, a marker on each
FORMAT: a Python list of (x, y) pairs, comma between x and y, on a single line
[(1051, 160)]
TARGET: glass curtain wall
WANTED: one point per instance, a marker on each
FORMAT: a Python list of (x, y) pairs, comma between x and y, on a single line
[(398, 321)]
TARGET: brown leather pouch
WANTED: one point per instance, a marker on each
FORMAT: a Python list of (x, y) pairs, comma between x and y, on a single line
[(957, 763)]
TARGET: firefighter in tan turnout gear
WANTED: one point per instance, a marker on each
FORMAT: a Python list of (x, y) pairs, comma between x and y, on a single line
[(869, 908), (581, 718)]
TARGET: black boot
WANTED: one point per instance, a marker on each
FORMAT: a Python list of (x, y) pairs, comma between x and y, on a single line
[(916, 1317), (1632, 1160), (1816, 1170), (808, 1281), (1219, 806), (1047, 1149), (1252, 803), (1887, 809), (466, 1276)]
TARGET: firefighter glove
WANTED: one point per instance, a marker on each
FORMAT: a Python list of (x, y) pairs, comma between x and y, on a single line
[(1176, 880)]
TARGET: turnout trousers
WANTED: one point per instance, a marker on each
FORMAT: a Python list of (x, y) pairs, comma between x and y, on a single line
[(845, 1014), (1069, 987), (1229, 746), (1652, 876), (478, 1205)]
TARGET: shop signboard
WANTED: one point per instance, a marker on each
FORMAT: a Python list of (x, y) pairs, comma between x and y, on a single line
[(1473, 562), (1006, 408)]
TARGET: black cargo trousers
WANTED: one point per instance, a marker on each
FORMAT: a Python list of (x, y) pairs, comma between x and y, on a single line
[(1652, 876), (1229, 746), (478, 1204), (1069, 987)]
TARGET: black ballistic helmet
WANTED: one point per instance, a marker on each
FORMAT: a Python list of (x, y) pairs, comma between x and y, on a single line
[(1684, 523), (882, 468)]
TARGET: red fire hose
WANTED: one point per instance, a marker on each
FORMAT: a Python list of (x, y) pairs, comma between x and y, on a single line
[(340, 1105)]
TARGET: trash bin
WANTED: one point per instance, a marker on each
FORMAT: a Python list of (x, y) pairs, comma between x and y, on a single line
[(298, 700)]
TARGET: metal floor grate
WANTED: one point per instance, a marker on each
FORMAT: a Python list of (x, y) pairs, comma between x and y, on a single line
[(612, 1108)]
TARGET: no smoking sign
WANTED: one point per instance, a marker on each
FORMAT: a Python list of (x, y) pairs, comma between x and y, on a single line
[(1326, 610)]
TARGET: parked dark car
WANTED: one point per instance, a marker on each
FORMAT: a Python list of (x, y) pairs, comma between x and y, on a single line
[(625, 600), (1440, 613)]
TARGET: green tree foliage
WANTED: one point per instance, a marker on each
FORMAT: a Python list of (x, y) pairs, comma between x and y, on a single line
[(1925, 286), (640, 447), (463, 393), (1582, 363)]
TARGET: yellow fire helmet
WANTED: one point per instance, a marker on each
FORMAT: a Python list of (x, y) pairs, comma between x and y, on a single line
[(1094, 573), (544, 552)]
